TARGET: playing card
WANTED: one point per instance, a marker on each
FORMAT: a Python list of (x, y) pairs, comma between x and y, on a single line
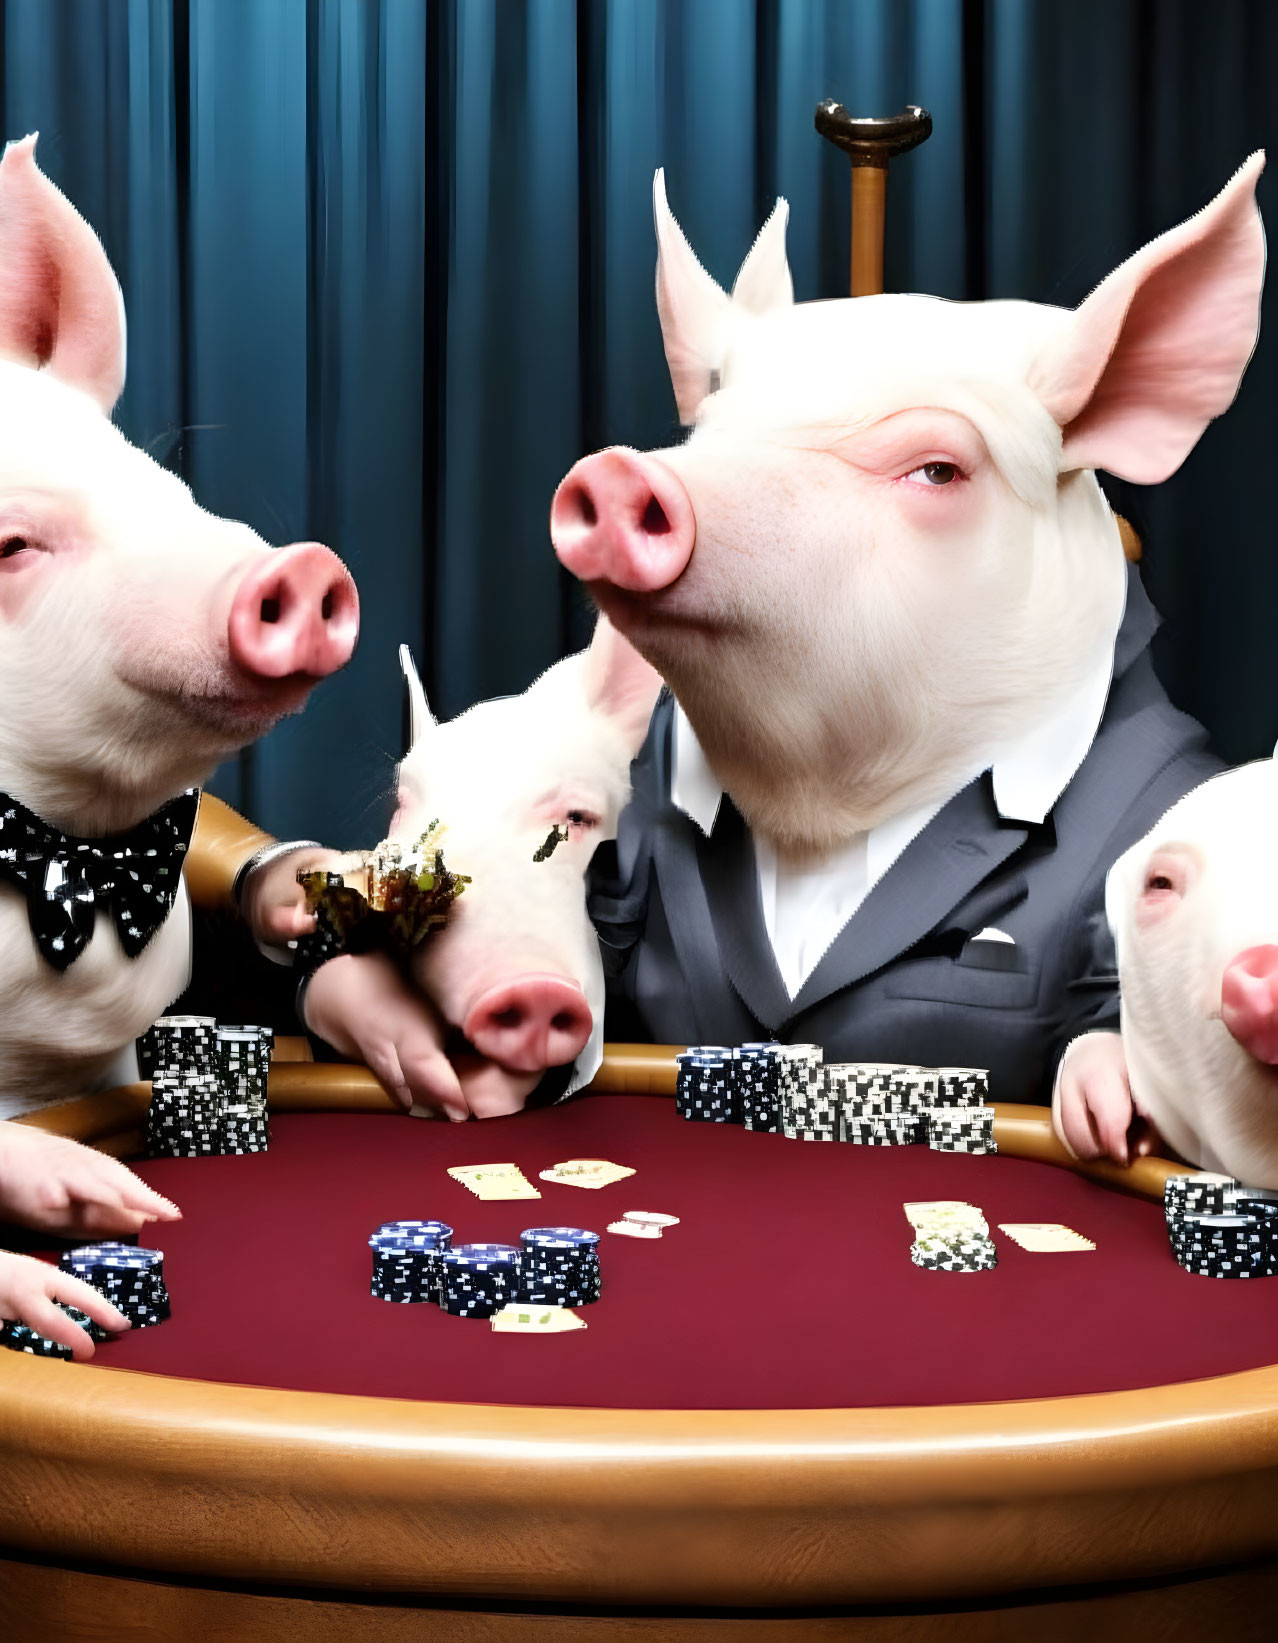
[(494, 1182), (466, 1172), (506, 1189), (592, 1173), (634, 1229), (944, 1212), (1044, 1237), (650, 1218), (536, 1320)]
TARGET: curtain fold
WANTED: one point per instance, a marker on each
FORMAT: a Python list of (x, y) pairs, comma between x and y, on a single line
[(388, 271)]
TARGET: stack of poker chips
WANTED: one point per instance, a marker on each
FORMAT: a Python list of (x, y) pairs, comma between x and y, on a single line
[(788, 1089), (705, 1084), (756, 1072), (132, 1279), (1219, 1228), (478, 1279), (881, 1103), (960, 1119), (20, 1337), (407, 1259), (208, 1087), (185, 1116), (417, 1261), (559, 1266), (243, 1065), (807, 1110), (954, 1239)]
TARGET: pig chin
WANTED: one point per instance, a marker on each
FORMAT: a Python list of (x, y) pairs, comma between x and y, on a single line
[(223, 707)]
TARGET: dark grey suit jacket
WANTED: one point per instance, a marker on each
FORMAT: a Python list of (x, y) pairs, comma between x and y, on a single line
[(689, 960)]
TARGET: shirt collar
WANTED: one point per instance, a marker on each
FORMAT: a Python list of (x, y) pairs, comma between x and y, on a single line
[(1029, 774)]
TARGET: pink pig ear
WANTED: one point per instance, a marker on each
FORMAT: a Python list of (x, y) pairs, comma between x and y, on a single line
[(60, 303), (620, 683), (695, 311), (1160, 346), (763, 280)]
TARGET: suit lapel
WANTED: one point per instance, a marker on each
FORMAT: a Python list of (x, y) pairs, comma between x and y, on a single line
[(677, 854), (961, 846)]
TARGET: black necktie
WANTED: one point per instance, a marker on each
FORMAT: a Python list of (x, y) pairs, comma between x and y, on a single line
[(135, 874)]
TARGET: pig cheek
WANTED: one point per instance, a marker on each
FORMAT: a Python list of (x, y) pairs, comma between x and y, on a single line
[(22, 580), (1155, 908), (1174, 967)]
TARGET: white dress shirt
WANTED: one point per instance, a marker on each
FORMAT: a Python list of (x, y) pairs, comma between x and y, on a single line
[(806, 904)]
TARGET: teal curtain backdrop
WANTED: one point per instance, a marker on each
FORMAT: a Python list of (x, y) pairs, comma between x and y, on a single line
[(388, 269)]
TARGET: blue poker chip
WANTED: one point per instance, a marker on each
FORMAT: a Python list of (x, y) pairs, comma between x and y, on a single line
[(480, 1256), (120, 1257), (416, 1234), (558, 1238)]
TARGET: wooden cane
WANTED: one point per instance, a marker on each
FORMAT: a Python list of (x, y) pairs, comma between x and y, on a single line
[(869, 146)]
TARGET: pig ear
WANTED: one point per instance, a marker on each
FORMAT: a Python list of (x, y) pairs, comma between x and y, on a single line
[(1160, 346), (763, 280), (60, 303), (695, 312), (420, 719), (620, 683)]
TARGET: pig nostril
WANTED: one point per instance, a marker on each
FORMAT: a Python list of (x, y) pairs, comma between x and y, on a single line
[(655, 522), (564, 1022), (326, 605), (270, 610), (510, 1017), (586, 509)]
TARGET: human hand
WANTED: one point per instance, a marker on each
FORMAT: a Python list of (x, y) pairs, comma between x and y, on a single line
[(1092, 1108), (274, 903), (364, 1006), (56, 1185), (28, 1290)]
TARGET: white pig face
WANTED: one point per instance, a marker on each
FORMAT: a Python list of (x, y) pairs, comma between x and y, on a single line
[(881, 553), (141, 638), (1194, 911), (518, 944), (888, 547)]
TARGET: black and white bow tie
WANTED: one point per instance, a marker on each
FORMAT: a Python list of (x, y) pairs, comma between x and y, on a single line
[(136, 874)]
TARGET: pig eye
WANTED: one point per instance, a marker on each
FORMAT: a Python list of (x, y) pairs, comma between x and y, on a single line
[(1168, 874), (581, 820), (935, 474), (12, 546)]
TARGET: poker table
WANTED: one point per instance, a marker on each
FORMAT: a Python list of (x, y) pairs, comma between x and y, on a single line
[(773, 1425)]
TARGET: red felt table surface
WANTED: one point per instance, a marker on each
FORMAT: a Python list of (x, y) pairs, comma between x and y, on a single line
[(788, 1283)]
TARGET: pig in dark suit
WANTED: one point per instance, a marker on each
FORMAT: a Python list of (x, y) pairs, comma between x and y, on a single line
[(689, 959)]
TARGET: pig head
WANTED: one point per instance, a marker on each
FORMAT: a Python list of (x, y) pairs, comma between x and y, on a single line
[(516, 969), (881, 553), (1194, 912), (143, 639)]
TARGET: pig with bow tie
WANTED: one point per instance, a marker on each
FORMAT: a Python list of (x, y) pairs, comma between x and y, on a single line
[(144, 640)]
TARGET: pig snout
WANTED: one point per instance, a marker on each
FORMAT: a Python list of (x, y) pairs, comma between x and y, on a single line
[(530, 1023), (623, 518), (1249, 1001), (296, 611)]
